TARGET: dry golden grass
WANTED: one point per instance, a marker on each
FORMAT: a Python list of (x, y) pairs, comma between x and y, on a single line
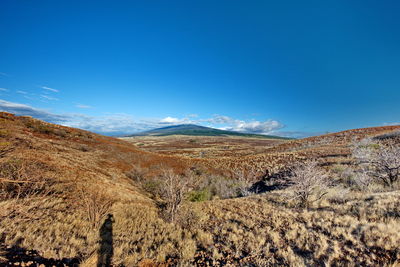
[(203, 146), (263, 231)]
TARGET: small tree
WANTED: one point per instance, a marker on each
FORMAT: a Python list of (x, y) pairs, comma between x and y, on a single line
[(173, 189), (95, 201), (244, 180), (362, 180), (379, 160), (308, 180)]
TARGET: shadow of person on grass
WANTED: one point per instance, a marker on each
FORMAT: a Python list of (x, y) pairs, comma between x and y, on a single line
[(106, 250)]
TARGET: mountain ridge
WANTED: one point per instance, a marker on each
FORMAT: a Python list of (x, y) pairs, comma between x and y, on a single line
[(198, 130)]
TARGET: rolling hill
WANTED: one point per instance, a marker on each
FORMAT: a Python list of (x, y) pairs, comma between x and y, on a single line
[(196, 130)]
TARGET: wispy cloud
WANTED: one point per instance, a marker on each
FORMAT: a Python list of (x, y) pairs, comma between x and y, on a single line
[(49, 89), (26, 110), (295, 134), (391, 123), (26, 95), (83, 106), (112, 124), (4, 89), (4, 74), (48, 97), (22, 92)]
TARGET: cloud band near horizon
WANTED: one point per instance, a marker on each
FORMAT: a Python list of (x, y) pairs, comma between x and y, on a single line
[(122, 124)]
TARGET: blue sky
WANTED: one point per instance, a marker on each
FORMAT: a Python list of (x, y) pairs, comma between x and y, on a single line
[(284, 67)]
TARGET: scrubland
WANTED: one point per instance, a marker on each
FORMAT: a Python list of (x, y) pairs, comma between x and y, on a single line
[(70, 197)]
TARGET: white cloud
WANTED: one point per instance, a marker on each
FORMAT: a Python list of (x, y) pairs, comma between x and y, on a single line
[(49, 89), (391, 123), (170, 120), (26, 110), (48, 97), (4, 89), (83, 106), (22, 92), (262, 127), (252, 126), (295, 134), (109, 124), (218, 119), (190, 119)]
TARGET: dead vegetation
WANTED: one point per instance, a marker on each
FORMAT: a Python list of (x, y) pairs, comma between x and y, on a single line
[(379, 160), (307, 181), (60, 187)]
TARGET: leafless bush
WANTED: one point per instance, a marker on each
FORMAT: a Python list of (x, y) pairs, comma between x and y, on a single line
[(346, 176), (190, 217), (172, 189), (136, 174), (308, 182), (339, 195), (96, 203), (23, 179), (223, 187), (379, 160), (245, 179), (22, 182), (362, 180)]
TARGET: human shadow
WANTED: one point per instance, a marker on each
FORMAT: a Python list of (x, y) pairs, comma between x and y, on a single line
[(106, 249)]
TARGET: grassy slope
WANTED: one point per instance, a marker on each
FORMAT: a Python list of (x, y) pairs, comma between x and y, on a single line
[(262, 230)]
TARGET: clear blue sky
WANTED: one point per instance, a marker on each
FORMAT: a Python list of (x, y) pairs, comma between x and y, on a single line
[(257, 66)]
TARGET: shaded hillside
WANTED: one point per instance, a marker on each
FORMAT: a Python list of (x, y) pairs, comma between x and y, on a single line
[(196, 130)]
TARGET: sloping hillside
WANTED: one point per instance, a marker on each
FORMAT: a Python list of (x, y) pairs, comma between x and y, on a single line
[(72, 197), (55, 181)]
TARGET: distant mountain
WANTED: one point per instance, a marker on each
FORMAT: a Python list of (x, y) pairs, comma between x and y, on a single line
[(196, 130)]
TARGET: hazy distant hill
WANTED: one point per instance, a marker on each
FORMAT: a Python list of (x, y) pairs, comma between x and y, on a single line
[(196, 130)]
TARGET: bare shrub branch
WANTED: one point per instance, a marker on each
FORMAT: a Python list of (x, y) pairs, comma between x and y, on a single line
[(96, 203), (172, 189), (244, 180), (308, 181), (24, 179), (380, 160), (137, 174)]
